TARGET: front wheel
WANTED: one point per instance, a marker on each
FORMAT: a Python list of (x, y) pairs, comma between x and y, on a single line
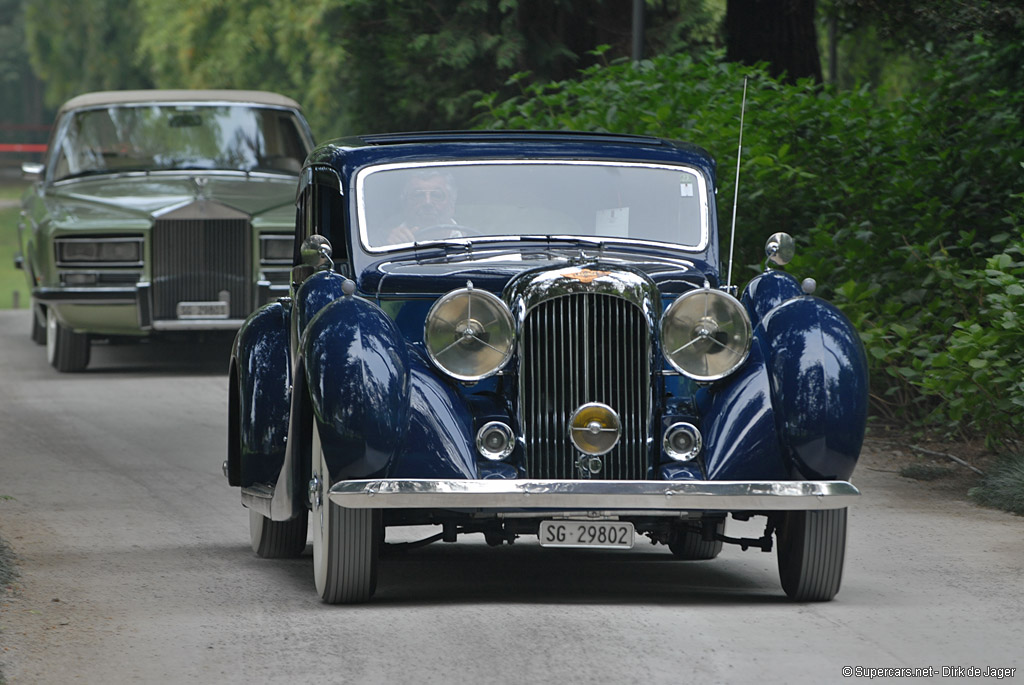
[(811, 552), (278, 539), (346, 542), (38, 325), (66, 350)]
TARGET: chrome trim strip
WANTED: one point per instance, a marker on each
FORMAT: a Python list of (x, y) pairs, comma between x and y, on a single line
[(644, 495), (85, 295)]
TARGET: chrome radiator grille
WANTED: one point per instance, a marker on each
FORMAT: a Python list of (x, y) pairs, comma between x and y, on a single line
[(576, 349), (196, 259)]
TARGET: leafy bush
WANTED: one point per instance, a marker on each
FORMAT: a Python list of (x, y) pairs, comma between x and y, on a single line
[(978, 372), (905, 211)]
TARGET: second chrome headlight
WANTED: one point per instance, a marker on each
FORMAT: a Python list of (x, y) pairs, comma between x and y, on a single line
[(705, 334), (469, 334)]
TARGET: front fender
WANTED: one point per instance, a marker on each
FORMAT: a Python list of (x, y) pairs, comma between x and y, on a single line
[(819, 384), (259, 396), (315, 293), (357, 371), (739, 425), (440, 442), (767, 291)]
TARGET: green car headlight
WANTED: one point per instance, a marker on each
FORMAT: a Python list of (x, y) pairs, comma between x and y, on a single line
[(469, 334), (706, 334), (111, 251)]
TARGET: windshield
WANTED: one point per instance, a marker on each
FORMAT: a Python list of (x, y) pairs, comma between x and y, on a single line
[(178, 136), (400, 205)]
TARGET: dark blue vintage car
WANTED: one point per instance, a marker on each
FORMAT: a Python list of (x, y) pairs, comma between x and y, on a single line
[(528, 334)]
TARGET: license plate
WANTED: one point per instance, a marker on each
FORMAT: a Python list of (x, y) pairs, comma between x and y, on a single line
[(607, 534), (202, 310)]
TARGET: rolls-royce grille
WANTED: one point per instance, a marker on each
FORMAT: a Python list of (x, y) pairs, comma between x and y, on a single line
[(199, 260), (577, 349)]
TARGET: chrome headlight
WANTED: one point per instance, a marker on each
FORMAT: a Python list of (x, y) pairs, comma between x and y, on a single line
[(495, 441), (469, 334), (705, 334), (682, 441), (276, 249)]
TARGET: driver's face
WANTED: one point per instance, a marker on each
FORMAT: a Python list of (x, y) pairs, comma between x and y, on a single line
[(429, 201)]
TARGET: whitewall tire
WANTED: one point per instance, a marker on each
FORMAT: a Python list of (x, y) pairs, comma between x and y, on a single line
[(346, 542)]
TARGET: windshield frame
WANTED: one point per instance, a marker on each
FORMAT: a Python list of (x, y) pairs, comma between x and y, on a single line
[(362, 225)]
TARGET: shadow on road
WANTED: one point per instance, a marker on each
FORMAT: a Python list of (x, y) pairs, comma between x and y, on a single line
[(524, 573)]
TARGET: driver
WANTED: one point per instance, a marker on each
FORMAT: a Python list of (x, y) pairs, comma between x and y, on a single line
[(428, 200)]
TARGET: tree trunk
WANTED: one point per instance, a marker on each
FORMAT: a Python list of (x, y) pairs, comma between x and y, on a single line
[(780, 32)]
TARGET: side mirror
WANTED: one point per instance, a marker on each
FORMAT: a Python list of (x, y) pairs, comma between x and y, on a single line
[(31, 170), (314, 255), (316, 252), (780, 249)]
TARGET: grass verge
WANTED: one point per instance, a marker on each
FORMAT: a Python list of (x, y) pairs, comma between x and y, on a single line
[(11, 280), (1003, 485)]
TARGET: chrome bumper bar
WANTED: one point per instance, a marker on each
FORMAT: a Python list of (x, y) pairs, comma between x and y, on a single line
[(634, 495)]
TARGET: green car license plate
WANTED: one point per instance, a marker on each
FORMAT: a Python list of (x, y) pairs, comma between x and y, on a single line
[(607, 534), (202, 310)]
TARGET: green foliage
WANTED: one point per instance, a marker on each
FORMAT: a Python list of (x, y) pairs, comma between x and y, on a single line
[(11, 279), (379, 65), (84, 45), (1003, 486), (978, 372), (906, 211)]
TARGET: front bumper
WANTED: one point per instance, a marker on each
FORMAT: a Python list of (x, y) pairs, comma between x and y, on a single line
[(140, 299), (593, 495)]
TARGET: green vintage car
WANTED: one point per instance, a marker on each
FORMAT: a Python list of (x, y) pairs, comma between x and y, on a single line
[(159, 212)]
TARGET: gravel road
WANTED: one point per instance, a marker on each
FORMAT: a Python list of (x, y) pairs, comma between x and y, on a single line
[(135, 567)]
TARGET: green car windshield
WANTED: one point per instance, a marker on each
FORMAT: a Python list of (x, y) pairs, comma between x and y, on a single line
[(401, 205), (160, 137)]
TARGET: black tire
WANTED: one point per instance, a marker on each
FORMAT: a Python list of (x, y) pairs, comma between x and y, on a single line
[(811, 552), (689, 545), (66, 350), (38, 328), (278, 539)]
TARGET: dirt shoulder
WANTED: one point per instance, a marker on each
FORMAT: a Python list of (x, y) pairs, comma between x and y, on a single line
[(947, 470)]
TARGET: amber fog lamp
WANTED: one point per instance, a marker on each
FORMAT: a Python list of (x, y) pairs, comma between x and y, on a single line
[(595, 428), (705, 334), (469, 334)]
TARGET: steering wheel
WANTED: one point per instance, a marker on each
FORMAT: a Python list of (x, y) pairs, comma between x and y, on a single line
[(440, 231)]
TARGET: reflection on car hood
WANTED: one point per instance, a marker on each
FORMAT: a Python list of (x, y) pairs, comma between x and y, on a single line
[(142, 196)]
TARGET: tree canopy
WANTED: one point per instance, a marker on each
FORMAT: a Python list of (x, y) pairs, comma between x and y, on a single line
[(898, 167)]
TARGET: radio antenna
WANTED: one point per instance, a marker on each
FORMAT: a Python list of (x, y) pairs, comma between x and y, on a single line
[(736, 187)]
